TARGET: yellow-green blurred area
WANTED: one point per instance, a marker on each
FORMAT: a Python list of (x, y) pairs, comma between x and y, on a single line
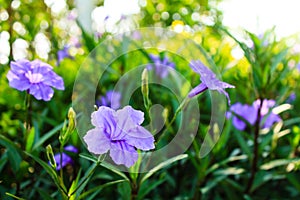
[(261, 59)]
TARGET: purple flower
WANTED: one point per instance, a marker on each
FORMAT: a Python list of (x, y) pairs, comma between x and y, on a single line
[(298, 67), (268, 118), (36, 77), (119, 132), (162, 65), (209, 80), (111, 99), (66, 159), (242, 113), (248, 113), (62, 54), (292, 97)]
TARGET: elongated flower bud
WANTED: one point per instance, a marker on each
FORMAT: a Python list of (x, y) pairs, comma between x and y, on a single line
[(50, 156), (145, 80), (72, 120), (66, 132)]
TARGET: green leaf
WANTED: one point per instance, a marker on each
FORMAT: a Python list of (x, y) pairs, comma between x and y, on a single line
[(229, 171), (98, 189), (222, 163), (44, 194), (13, 196), (47, 136), (294, 180), (88, 40), (211, 184), (13, 153), (163, 165), (146, 187), (74, 186), (277, 59), (277, 163), (30, 139), (88, 157), (114, 169), (50, 171), (243, 144)]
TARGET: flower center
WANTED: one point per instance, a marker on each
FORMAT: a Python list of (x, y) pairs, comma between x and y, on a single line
[(34, 78)]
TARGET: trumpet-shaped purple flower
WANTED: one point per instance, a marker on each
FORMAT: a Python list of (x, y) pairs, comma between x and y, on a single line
[(35, 77), (119, 132), (248, 113), (66, 159), (209, 80), (111, 99), (161, 65)]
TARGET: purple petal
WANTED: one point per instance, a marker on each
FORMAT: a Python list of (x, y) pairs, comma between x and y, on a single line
[(41, 91), (18, 82), (122, 153), (104, 118), (271, 119), (238, 124), (20, 66), (136, 116), (140, 138), (52, 79), (222, 91), (97, 141), (39, 65), (71, 148), (198, 67), (127, 119), (35, 90), (65, 160), (197, 90)]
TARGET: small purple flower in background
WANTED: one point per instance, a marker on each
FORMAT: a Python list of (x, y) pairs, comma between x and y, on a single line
[(268, 118), (246, 112), (119, 132), (111, 99), (292, 97), (209, 80), (66, 159), (36, 77), (62, 54), (298, 67), (249, 114), (161, 65)]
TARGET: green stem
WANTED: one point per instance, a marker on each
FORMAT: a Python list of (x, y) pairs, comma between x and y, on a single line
[(180, 107), (61, 148), (255, 149), (88, 176), (27, 116)]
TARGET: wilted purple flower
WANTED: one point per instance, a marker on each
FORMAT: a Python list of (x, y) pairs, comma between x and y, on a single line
[(62, 54), (249, 114), (111, 99), (209, 80), (119, 132), (161, 65), (245, 112), (66, 159), (36, 77)]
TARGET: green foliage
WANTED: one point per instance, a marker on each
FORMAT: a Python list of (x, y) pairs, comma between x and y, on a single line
[(267, 70)]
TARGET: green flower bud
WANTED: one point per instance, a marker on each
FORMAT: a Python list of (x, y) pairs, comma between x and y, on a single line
[(50, 156), (145, 80), (72, 120)]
